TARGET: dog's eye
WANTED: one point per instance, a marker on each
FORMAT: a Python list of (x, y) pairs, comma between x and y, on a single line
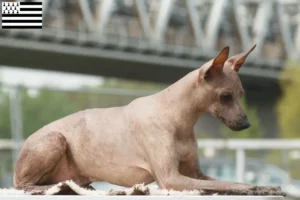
[(226, 97)]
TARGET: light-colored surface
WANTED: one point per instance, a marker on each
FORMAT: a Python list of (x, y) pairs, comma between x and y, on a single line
[(5, 197), (146, 191), (151, 190)]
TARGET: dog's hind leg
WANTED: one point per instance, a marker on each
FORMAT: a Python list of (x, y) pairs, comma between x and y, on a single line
[(37, 160)]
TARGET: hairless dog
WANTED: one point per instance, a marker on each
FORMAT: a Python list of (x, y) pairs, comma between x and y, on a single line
[(150, 139)]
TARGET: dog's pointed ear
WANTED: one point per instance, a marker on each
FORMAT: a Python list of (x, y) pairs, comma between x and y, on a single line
[(216, 65), (238, 60)]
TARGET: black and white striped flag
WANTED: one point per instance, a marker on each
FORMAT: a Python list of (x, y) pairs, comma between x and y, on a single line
[(22, 15)]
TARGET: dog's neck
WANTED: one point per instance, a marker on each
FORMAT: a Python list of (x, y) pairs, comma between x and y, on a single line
[(181, 104)]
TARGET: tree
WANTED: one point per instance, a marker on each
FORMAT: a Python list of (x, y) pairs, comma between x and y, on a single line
[(5, 130), (288, 107), (39, 110), (47, 106)]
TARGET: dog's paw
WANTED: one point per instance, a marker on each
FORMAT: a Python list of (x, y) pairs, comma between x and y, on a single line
[(267, 191)]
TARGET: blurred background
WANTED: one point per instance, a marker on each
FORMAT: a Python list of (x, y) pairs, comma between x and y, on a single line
[(103, 53)]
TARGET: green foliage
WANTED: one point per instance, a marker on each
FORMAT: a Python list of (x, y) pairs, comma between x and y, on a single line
[(44, 108), (5, 130), (38, 110), (288, 107), (253, 132)]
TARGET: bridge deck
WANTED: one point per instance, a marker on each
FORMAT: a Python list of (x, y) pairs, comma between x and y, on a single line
[(137, 60)]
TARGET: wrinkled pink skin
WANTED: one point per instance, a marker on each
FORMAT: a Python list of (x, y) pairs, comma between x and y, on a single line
[(150, 139)]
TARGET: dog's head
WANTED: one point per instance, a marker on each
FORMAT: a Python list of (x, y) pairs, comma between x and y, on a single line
[(223, 89)]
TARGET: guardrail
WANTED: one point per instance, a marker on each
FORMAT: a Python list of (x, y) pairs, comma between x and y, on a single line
[(241, 145)]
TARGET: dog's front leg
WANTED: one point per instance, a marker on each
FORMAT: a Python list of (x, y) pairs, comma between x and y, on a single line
[(166, 173), (169, 177), (190, 167), (165, 161)]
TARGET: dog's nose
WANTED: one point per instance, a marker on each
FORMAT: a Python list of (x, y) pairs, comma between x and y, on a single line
[(243, 124)]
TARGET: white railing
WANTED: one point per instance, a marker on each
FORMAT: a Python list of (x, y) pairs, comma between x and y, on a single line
[(241, 145), (209, 145)]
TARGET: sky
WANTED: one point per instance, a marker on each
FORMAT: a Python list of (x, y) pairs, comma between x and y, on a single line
[(37, 78)]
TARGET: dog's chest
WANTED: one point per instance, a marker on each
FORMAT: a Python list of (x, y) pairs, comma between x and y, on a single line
[(186, 148)]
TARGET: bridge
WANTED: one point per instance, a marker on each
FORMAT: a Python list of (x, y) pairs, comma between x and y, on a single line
[(145, 39), (160, 40)]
